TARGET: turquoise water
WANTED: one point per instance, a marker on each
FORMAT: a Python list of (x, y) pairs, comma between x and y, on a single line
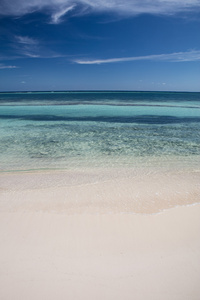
[(62, 130)]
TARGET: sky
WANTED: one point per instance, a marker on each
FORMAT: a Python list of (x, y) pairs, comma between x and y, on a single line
[(146, 45)]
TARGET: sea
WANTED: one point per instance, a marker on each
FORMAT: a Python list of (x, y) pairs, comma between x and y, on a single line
[(79, 129)]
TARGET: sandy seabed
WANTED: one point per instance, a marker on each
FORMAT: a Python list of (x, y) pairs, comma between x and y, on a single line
[(125, 238)]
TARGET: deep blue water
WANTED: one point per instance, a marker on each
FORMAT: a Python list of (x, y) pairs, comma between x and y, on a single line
[(71, 129)]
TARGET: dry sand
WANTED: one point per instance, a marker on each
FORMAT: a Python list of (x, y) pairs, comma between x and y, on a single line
[(50, 249)]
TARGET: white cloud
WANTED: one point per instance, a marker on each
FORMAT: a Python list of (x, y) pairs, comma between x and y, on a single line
[(7, 67), (26, 40), (31, 55), (193, 55), (58, 8), (26, 46), (56, 17), (32, 48)]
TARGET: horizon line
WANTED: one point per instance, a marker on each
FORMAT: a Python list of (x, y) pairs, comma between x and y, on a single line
[(100, 91)]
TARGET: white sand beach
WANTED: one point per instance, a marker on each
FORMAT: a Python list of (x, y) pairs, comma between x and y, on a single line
[(54, 249)]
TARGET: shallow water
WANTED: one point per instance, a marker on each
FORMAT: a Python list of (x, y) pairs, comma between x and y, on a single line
[(69, 130)]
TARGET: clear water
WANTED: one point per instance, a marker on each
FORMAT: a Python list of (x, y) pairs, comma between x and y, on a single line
[(63, 130)]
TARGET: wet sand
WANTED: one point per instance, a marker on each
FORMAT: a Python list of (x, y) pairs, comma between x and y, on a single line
[(110, 190)]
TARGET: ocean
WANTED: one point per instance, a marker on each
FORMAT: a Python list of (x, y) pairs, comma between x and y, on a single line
[(142, 148), (62, 130)]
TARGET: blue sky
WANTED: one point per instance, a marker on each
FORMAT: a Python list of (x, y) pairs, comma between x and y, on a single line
[(100, 45)]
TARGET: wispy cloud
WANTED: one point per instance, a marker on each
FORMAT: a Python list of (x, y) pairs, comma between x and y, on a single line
[(27, 46), (58, 8), (26, 40), (193, 55), (32, 48), (2, 66), (57, 16)]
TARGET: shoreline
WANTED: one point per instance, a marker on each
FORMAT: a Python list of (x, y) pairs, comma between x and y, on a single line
[(117, 190)]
